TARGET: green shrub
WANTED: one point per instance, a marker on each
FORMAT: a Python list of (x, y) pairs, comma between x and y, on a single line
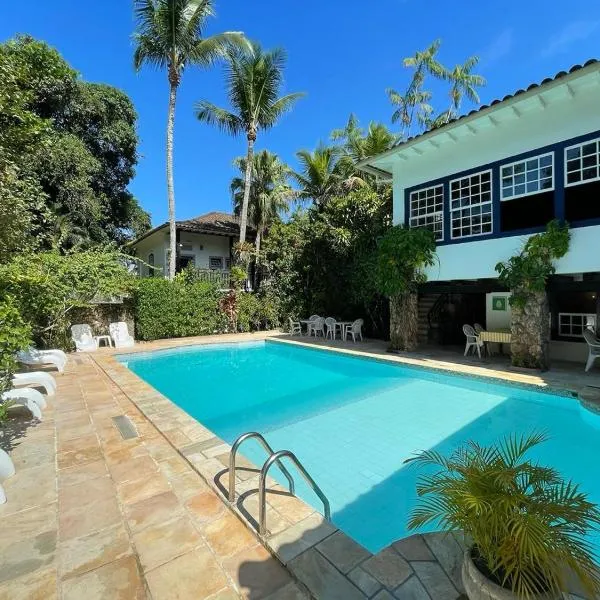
[(178, 308), (15, 335)]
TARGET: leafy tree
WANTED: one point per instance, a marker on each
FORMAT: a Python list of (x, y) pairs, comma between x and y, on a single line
[(270, 194), (47, 287), (254, 81), (169, 35), (403, 255), (71, 144)]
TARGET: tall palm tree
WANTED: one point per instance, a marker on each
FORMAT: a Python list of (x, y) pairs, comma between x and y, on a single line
[(169, 35), (270, 193), (254, 79), (359, 144), (464, 83), (424, 62)]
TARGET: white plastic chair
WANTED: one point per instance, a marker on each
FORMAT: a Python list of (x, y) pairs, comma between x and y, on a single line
[(330, 328), (84, 338), (120, 335), (36, 378), (355, 330), (295, 327), (313, 317), (34, 357), (473, 340), (593, 346), (28, 397), (478, 328), (316, 326)]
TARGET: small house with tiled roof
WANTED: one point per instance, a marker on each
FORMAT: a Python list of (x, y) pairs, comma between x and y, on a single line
[(205, 242)]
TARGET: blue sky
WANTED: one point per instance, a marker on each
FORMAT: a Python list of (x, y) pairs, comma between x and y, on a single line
[(342, 53)]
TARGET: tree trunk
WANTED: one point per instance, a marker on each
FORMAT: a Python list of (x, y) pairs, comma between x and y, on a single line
[(170, 184), (247, 184), (257, 257), (404, 322), (530, 332)]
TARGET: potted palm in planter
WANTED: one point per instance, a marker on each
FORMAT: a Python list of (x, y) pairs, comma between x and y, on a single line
[(526, 526)]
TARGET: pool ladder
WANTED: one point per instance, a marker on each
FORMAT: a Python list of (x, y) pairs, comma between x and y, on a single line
[(273, 457)]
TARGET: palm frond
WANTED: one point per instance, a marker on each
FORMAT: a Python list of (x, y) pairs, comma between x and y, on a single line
[(220, 117)]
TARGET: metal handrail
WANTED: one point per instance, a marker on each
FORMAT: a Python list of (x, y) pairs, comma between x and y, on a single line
[(233, 454), (262, 500)]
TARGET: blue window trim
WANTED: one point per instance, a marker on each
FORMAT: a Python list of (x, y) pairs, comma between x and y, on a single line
[(558, 150)]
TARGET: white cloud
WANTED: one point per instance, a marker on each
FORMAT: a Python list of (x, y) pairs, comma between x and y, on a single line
[(576, 31), (499, 47)]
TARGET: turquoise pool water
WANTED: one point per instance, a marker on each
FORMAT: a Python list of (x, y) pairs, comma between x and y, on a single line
[(353, 422)]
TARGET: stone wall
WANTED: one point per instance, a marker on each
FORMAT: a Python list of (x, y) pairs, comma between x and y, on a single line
[(99, 316), (530, 329), (404, 322)]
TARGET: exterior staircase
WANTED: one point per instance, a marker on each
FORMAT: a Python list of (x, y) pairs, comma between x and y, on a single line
[(426, 302)]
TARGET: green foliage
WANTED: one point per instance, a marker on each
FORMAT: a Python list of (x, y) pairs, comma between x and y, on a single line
[(403, 253), (528, 271), (15, 335), (323, 260), (526, 523), (257, 311), (414, 109), (178, 308), (67, 152), (48, 286)]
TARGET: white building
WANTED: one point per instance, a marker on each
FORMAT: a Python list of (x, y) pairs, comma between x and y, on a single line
[(205, 241), (486, 181)]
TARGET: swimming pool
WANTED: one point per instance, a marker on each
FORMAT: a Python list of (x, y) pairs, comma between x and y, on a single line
[(353, 421)]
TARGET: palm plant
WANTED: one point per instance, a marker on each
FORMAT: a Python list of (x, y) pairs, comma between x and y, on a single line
[(320, 177), (358, 144), (254, 80), (463, 83), (526, 523), (169, 35), (270, 192)]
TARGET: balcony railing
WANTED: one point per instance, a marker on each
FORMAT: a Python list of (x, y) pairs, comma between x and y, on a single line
[(220, 278)]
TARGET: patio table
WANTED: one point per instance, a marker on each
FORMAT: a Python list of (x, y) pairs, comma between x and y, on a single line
[(305, 322), (496, 337), (342, 325)]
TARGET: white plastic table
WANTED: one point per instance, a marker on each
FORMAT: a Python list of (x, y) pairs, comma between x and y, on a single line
[(105, 338)]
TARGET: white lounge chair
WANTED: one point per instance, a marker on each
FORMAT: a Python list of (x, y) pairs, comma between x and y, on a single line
[(36, 378), (120, 335), (295, 327), (593, 346), (84, 338), (7, 469), (34, 357), (316, 326), (330, 328), (355, 330), (473, 340), (28, 397)]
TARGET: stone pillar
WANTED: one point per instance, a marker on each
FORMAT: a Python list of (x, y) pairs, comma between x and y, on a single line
[(404, 322), (530, 329)]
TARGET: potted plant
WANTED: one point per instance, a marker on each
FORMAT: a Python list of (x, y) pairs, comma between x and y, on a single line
[(525, 525)]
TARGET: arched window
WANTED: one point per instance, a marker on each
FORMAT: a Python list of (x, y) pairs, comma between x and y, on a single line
[(151, 263)]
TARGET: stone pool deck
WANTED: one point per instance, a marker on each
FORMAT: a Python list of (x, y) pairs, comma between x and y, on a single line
[(93, 515)]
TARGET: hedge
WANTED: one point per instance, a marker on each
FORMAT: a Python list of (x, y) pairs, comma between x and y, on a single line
[(165, 309)]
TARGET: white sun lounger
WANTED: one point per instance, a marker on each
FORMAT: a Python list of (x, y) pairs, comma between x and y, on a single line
[(7, 469), (34, 357), (120, 335), (36, 378), (28, 397)]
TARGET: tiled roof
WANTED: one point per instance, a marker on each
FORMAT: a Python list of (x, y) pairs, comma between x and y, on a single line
[(546, 81), (219, 223)]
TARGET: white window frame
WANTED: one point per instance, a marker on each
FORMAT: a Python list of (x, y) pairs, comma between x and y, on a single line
[(219, 258), (427, 214), (588, 321), (524, 161), (581, 169), (487, 202)]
